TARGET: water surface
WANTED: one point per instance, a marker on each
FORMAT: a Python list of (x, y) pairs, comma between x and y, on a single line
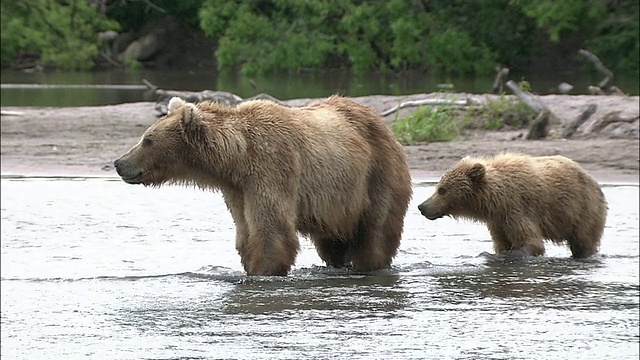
[(95, 268), (117, 86)]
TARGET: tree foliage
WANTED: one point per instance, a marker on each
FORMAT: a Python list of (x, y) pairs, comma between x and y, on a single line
[(134, 14), (561, 17), (272, 36), (262, 36), (616, 37), (63, 33)]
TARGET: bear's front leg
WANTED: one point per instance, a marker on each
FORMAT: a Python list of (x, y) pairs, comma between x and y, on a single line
[(235, 204), (517, 235), (272, 244)]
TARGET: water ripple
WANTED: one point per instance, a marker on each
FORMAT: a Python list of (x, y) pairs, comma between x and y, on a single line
[(95, 268)]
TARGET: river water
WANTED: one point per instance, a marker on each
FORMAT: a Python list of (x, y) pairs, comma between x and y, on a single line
[(117, 86), (98, 269)]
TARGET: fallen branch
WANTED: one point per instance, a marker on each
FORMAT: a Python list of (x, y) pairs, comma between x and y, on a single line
[(263, 96), (110, 60), (575, 124), (608, 74), (614, 90), (224, 97), (610, 118), (539, 128), (528, 98), (498, 83), (149, 85), (525, 96), (11, 113), (595, 90), (430, 102)]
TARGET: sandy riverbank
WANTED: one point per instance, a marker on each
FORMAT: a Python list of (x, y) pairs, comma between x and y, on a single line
[(86, 140)]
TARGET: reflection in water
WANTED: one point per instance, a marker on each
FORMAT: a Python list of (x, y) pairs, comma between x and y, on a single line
[(524, 279), (87, 275), (353, 293), (291, 86)]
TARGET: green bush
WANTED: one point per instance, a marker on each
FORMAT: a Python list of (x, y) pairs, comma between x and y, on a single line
[(427, 123), (261, 37), (454, 52), (65, 34), (494, 114)]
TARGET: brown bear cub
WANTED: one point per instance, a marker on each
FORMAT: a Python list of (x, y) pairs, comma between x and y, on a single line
[(524, 200), (332, 171)]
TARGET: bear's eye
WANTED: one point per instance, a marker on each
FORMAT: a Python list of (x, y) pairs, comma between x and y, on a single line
[(147, 142), (442, 191)]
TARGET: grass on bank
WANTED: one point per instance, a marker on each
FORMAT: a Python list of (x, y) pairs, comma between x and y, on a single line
[(445, 123)]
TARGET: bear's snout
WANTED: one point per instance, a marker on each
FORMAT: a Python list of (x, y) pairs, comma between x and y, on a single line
[(430, 212), (128, 173)]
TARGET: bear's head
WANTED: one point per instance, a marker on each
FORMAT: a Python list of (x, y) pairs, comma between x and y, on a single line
[(457, 191), (165, 150)]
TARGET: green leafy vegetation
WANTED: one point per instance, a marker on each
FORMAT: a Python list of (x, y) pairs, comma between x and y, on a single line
[(61, 34), (444, 123), (561, 17), (261, 37), (495, 113), (427, 124)]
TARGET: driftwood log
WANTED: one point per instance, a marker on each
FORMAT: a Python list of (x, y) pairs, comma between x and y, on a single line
[(431, 102), (539, 128), (11, 113), (498, 83), (575, 124), (608, 77), (608, 74), (595, 90), (614, 90), (612, 117), (162, 97), (525, 96)]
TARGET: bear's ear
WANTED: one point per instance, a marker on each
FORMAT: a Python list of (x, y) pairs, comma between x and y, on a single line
[(189, 115), (476, 173), (192, 123), (174, 104)]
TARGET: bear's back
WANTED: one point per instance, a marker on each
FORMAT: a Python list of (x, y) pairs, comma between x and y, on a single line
[(545, 187), (336, 147)]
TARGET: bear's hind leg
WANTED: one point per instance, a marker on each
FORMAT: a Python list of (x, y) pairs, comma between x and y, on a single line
[(376, 243), (379, 231), (333, 251), (585, 241)]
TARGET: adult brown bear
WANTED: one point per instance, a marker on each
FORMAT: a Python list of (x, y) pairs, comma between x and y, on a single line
[(332, 171)]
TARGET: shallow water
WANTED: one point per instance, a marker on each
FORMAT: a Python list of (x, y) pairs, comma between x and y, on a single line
[(96, 268)]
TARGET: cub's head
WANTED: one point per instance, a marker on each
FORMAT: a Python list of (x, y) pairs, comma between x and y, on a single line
[(162, 154), (456, 192)]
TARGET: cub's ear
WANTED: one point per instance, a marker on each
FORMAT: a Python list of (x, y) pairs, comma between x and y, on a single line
[(476, 173), (174, 104)]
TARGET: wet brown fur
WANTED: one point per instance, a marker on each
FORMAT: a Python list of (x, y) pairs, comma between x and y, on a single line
[(332, 171), (524, 200)]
